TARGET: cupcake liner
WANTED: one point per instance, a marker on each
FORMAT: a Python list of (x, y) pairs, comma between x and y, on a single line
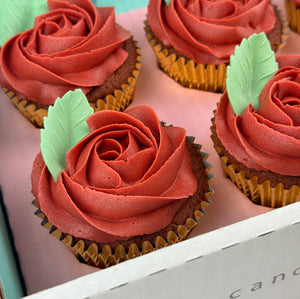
[(90, 253), (30, 111), (259, 193), (190, 74), (187, 72), (285, 29), (121, 98), (119, 101), (293, 15)]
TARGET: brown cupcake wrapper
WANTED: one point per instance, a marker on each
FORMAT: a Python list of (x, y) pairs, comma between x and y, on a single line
[(293, 15), (190, 74), (118, 101), (259, 193), (104, 257)]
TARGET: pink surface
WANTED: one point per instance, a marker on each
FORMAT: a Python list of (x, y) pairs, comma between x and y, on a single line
[(45, 261)]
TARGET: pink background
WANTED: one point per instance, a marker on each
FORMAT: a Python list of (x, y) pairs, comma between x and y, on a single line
[(45, 261)]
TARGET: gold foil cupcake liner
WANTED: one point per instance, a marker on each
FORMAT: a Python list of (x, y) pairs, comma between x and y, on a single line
[(105, 257), (119, 101), (259, 193), (187, 72), (293, 15), (29, 110), (121, 98), (190, 74), (285, 29), (263, 194)]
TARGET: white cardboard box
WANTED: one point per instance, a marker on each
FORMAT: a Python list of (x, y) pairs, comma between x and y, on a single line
[(256, 258)]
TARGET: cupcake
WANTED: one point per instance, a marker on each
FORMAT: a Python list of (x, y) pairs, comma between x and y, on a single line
[(73, 45), (256, 129), (125, 186), (193, 40), (293, 14)]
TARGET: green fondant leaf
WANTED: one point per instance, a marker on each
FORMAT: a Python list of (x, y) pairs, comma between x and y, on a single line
[(251, 67), (168, 2), (64, 127), (18, 15)]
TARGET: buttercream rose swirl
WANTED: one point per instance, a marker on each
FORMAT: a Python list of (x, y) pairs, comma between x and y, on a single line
[(208, 31), (73, 45), (128, 177), (270, 135)]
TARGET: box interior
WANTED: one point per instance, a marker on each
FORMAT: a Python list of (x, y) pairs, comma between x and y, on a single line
[(46, 263)]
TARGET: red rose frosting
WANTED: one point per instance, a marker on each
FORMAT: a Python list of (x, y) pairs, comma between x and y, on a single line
[(128, 177), (267, 138), (208, 31), (74, 45)]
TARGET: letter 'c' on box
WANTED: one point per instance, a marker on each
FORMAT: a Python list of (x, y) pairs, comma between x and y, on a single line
[(235, 293)]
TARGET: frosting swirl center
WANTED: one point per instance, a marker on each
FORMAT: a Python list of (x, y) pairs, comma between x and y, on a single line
[(209, 31), (74, 45), (128, 177), (267, 138)]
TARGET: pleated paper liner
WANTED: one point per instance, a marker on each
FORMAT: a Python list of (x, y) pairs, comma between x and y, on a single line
[(285, 28), (260, 193), (293, 16), (119, 101), (186, 72), (190, 74), (122, 97), (105, 257), (34, 115)]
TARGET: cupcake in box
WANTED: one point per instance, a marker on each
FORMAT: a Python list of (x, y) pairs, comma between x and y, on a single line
[(115, 185), (72, 44), (256, 129), (293, 14), (193, 40)]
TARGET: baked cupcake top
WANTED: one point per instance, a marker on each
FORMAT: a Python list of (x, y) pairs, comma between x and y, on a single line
[(263, 132), (124, 175), (208, 31), (73, 45)]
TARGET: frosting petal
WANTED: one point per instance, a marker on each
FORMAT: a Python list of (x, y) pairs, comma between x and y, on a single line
[(74, 45), (128, 177), (267, 138), (208, 31)]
